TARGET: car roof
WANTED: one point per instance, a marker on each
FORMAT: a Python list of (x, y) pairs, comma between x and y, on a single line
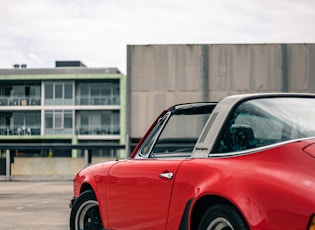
[(239, 97)]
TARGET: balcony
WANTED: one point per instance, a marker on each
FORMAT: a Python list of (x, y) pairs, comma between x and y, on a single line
[(19, 131), (20, 101), (103, 130), (109, 100)]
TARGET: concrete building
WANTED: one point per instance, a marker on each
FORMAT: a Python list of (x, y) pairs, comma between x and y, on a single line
[(66, 104), (162, 75)]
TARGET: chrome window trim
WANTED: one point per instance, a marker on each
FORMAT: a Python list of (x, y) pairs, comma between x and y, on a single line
[(159, 125), (258, 149)]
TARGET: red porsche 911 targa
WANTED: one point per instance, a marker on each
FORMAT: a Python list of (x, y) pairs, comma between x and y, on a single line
[(246, 162)]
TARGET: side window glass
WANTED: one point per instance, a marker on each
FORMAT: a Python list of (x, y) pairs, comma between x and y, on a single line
[(176, 133), (179, 135)]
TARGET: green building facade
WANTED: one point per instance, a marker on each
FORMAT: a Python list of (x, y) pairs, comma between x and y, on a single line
[(69, 104)]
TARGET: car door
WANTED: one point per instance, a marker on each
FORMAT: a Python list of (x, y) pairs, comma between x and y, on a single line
[(139, 192), (139, 189)]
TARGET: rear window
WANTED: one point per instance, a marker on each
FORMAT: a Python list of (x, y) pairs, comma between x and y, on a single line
[(265, 121)]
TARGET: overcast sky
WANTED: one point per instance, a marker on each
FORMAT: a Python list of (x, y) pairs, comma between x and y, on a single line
[(97, 32)]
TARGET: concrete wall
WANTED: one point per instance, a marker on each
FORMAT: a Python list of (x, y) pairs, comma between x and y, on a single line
[(39, 166), (162, 75)]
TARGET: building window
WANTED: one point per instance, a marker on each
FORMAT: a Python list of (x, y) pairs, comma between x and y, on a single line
[(68, 120), (49, 91), (59, 122), (98, 123), (20, 123), (20, 94), (59, 93), (68, 91), (48, 120), (98, 93)]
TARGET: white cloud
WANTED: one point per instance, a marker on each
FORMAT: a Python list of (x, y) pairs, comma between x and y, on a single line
[(97, 32)]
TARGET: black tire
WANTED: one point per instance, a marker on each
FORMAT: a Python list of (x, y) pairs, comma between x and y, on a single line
[(222, 217), (85, 214)]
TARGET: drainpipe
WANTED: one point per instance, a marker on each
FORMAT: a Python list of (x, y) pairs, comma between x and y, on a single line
[(128, 102), (285, 77), (205, 73)]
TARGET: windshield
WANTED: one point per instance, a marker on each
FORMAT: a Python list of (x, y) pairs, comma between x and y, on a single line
[(265, 121)]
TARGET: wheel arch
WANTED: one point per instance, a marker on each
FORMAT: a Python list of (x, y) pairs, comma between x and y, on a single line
[(205, 202), (91, 185), (86, 186)]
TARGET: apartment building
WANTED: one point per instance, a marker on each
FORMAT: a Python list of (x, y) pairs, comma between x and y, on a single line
[(70, 103)]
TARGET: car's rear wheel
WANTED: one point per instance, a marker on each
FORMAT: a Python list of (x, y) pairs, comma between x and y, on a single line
[(222, 217), (85, 213)]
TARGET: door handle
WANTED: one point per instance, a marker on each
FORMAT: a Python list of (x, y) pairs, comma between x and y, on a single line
[(168, 175)]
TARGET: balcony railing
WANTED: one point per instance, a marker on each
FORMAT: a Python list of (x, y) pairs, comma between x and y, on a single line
[(103, 130), (110, 100), (19, 131), (20, 101)]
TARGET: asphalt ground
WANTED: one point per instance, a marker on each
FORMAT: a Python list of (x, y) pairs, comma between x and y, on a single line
[(32, 205)]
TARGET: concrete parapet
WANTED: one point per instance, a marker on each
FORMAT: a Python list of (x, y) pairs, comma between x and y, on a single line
[(55, 167)]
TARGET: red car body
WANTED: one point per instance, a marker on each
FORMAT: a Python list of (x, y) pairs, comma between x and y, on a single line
[(270, 185)]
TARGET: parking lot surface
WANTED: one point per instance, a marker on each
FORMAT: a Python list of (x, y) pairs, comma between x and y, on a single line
[(35, 205)]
